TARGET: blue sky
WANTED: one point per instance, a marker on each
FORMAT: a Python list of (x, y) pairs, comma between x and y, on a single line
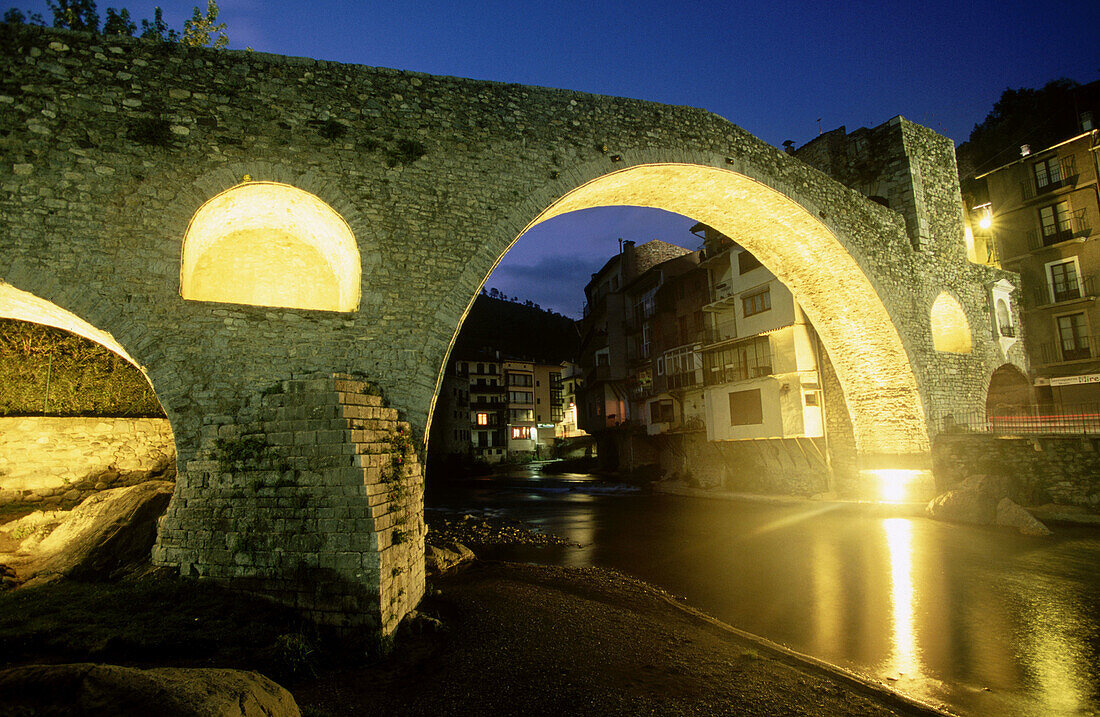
[(782, 70)]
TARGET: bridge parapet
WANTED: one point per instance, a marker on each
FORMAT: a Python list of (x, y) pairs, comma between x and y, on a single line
[(313, 496)]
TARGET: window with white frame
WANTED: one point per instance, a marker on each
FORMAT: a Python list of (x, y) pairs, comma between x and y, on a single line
[(1064, 280)]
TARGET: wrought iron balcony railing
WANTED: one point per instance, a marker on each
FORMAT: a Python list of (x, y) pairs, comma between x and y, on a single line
[(1067, 177), (1074, 226), (1084, 347), (1078, 288)]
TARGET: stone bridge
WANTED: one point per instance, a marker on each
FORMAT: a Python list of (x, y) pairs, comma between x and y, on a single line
[(287, 247)]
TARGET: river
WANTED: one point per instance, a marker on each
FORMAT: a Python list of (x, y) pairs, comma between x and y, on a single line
[(980, 620)]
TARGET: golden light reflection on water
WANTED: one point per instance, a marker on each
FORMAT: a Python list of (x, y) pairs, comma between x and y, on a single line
[(1057, 664), (905, 656)]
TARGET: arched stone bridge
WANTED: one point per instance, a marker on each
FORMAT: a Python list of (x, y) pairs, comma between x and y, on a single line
[(265, 235)]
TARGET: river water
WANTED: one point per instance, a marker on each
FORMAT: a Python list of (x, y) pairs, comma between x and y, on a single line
[(980, 620)]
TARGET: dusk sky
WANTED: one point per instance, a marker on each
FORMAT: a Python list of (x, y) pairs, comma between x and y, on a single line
[(781, 70)]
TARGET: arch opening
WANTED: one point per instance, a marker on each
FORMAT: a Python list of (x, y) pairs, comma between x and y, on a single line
[(868, 354), (1009, 393), (271, 244), (76, 420), (950, 329)]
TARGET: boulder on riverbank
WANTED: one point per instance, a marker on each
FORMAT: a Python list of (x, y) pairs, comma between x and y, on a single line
[(90, 689), (985, 500), (103, 537)]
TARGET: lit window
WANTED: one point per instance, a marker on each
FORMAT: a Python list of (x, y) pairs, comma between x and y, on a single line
[(483, 419), (757, 302), (521, 432)]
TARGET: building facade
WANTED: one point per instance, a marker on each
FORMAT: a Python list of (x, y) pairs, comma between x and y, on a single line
[(1037, 216)]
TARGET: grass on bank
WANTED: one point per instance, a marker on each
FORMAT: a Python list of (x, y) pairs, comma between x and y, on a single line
[(84, 378)]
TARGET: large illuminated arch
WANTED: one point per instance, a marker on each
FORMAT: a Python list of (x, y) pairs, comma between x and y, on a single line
[(866, 350), (271, 244)]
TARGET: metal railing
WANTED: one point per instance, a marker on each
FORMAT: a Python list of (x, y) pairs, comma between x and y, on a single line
[(1074, 226), (1029, 188), (1056, 352), (723, 331), (1076, 418), (1079, 287)]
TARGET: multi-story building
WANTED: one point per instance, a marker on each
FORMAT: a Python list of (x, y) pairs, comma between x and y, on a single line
[(567, 427), (759, 356), (494, 407), (621, 342), (1038, 215)]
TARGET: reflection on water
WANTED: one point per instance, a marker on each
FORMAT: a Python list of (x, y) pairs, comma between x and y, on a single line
[(899, 543), (985, 621)]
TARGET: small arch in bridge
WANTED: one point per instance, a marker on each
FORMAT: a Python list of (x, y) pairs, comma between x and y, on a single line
[(1009, 392), (950, 329), (271, 244)]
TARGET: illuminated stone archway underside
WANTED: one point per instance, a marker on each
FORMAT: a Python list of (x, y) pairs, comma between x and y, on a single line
[(270, 244), (950, 329), (22, 306), (863, 344)]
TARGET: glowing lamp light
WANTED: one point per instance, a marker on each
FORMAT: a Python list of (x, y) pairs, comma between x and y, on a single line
[(985, 222), (898, 485)]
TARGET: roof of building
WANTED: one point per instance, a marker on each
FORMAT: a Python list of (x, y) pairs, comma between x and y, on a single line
[(656, 252)]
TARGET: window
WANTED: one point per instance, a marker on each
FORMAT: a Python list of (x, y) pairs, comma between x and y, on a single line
[(742, 361), (680, 367), (745, 408), (757, 302), (519, 379), (1048, 174), (519, 397), (1055, 222), (1073, 335), (810, 398), (1064, 282), (520, 414), (661, 412), (746, 262), (483, 419), (1004, 319), (521, 433)]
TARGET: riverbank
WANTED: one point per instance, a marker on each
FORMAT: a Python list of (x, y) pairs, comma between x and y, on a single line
[(522, 639)]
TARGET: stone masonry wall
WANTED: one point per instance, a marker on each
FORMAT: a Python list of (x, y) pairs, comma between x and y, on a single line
[(776, 466), (313, 496), (1047, 469), (112, 144), (52, 461)]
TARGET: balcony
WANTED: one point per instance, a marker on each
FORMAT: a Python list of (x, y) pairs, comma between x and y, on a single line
[(1081, 288), (722, 297), (1084, 348), (723, 331), (1067, 177), (739, 372), (1074, 226)]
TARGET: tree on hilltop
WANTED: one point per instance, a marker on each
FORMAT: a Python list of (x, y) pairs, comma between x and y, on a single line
[(1040, 118)]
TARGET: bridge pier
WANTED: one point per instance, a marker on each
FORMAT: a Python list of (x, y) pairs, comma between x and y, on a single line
[(311, 495)]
